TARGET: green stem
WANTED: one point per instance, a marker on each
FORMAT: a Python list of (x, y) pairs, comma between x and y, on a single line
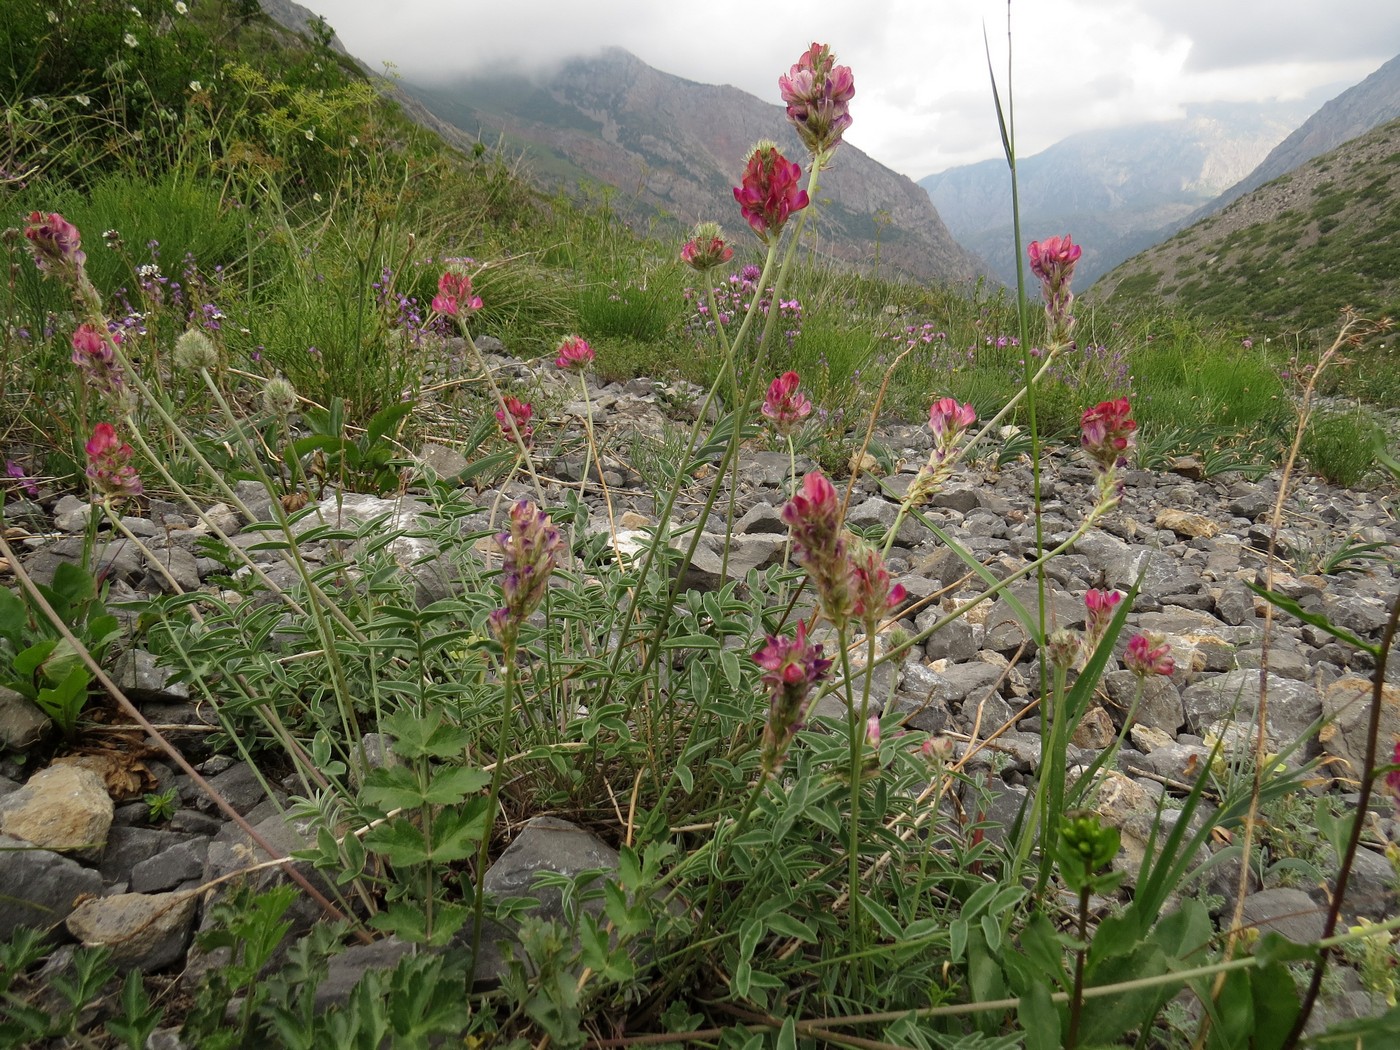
[(493, 796), (855, 720), (1081, 950)]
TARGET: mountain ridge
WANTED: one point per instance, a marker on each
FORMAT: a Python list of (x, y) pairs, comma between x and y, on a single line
[(612, 119)]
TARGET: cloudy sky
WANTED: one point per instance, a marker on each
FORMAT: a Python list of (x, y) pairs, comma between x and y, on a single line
[(923, 101)]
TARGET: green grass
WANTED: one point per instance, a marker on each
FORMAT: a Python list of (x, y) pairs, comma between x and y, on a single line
[(636, 711)]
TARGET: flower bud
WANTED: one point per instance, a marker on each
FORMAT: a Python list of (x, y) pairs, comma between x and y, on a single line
[(194, 351)]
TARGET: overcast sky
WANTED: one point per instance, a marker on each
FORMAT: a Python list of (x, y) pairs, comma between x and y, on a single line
[(923, 101)]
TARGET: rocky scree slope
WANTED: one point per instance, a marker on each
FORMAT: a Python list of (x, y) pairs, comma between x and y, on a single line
[(88, 862)]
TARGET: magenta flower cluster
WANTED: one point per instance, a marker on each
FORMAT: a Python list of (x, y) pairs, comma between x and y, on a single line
[(792, 668), (109, 464), (849, 575), (513, 417), (56, 242), (706, 248), (786, 406), (96, 360), (1106, 433), (573, 353), (1100, 607), (1052, 262), (1148, 655), (454, 297), (770, 191), (818, 93)]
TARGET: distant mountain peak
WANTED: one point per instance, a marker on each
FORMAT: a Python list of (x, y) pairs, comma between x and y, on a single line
[(674, 148)]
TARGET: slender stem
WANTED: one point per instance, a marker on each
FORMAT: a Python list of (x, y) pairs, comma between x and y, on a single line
[(508, 643), (1081, 950), (855, 720)]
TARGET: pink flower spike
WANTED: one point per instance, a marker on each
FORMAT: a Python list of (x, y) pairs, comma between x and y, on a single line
[(1101, 606), (872, 731), (769, 192), (455, 296), (813, 518), (949, 419), (56, 241), (706, 248), (1106, 433), (520, 413), (818, 96), (1053, 260), (875, 597), (785, 405), (1148, 654), (574, 353), (791, 668), (109, 463)]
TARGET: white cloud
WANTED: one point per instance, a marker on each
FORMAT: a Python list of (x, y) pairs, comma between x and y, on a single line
[(923, 100)]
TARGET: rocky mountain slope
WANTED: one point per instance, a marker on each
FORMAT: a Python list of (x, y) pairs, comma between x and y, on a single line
[(1373, 102), (1292, 253), (672, 149), (1117, 190)]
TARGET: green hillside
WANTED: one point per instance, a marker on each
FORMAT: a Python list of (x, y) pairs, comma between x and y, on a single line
[(1291, 255)]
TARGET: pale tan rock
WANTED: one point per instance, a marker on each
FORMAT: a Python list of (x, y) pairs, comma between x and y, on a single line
[(1347, 705), (145, 931), (1095, 729), (631, 519), (1148, 739), (1185, 523), (63, 808)]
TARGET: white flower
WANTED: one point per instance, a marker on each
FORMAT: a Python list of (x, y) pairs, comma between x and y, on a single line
[(181, 9), (316, 197), (354, 141), (148, 271), (134, 10), (82, 100), (195, 85), (52, 17), (129, 40), (310, 134)]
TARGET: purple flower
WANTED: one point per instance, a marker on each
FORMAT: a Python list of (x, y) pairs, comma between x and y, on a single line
[(530, 550), (26, 483)]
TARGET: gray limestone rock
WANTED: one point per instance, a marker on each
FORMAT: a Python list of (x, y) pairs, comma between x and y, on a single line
[(144, 931), (42, 886), (22, 724), (1286, 911)]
